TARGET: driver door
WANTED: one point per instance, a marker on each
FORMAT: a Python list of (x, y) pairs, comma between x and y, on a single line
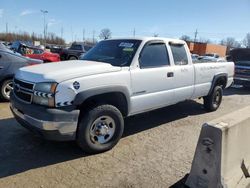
[(153, 80)]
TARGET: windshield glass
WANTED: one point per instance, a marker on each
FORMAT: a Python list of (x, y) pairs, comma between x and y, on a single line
[(114, 52)]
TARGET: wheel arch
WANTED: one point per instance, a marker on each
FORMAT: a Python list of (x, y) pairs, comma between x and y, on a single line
[(7, 77), (219, 79), (72, 55), (117, 96)]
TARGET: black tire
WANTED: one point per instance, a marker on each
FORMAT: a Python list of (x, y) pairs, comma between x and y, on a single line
[(92, 126), (5, 90), (72, 58), (213, 101)]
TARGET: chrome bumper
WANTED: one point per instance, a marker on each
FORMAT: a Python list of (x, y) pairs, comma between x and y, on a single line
[(52, 124)]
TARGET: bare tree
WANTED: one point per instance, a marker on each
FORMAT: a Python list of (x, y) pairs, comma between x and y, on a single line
[(246, 40), (204, 40), (156, 35), (25, 36), (230, 42), (185, 37), (105, 34)]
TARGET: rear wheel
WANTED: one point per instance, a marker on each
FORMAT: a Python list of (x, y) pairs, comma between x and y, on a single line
[(6, 87), (213, 101), (100, 129)]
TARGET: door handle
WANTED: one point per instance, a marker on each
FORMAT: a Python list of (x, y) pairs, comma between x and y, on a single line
[(170, 74), (1, 67)]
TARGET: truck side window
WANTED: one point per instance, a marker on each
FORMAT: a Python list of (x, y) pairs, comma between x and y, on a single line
[(179, 54), (154, 55)]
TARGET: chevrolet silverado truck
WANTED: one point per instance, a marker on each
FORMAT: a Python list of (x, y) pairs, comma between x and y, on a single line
[(86, 100)]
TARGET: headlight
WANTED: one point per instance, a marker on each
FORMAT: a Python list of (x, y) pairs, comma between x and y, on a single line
[(44, 94)]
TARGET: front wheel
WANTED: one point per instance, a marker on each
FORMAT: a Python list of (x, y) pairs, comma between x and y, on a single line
[(100, 129), (213, 101), (6, 87), (73, 58)]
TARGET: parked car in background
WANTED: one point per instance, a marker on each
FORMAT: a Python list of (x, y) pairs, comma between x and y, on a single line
[(10, 62), (55, 49), (211, 57), (76, 50), (34, 52), (241, 58), (194, 56)]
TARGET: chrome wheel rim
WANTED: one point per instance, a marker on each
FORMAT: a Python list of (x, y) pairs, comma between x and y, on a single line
[(102, 130), (7, 88)]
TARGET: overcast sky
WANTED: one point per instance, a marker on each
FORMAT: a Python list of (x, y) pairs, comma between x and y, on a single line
[(214, 19)]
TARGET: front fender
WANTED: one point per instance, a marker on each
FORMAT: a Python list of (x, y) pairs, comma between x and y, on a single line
[(84, 95)]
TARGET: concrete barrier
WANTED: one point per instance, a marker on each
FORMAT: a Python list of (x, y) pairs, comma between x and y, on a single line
[(222, 155)]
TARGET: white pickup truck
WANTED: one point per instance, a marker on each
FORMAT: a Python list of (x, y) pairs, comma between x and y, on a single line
[(86, 100)]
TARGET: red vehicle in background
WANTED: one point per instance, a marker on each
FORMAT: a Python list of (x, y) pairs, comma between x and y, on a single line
[(34, 52)]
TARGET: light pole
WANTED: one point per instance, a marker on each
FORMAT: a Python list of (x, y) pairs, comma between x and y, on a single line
[(44, 29)]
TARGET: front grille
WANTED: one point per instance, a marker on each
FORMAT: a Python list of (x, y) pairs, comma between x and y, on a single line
[(24, 96), (23, 90), (242, 72), (23, 84)]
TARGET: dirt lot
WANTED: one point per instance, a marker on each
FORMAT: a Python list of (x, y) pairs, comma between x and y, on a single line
[(155, 151)]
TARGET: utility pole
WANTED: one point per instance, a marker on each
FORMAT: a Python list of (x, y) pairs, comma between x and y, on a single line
[(195, 35), (134, 32), (44, 25), (15, 32), (93, 36), (71, 34), (7, 29), (83, 35), (61, 32)]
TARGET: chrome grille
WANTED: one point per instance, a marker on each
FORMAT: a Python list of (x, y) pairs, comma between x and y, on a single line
[(23, 90), (242, 71)]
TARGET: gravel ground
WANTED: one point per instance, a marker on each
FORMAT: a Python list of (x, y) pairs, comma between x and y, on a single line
[(156, 150)]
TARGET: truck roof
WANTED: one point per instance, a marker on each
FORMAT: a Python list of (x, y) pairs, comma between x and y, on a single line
[(150, 38)]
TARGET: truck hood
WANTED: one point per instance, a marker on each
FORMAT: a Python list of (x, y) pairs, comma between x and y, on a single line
[(61, 71)]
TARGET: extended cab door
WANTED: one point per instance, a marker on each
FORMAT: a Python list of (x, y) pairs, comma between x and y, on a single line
[(184, 72), (152, 82)]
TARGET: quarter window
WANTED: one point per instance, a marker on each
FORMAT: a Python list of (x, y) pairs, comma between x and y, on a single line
[(179, 54), (76, 47), (154, 55)]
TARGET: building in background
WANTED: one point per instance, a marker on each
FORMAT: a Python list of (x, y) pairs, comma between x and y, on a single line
[(205, 48)]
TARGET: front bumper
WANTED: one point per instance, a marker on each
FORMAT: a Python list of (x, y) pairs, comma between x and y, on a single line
[(242, 81), (58, 124)]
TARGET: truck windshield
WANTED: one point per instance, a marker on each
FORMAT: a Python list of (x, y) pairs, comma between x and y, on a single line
[(114, 52)]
